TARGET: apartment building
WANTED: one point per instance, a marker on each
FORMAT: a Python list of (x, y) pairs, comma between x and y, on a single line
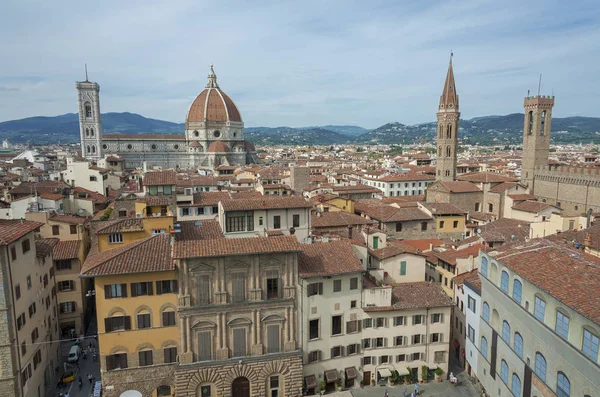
[(330, 311), (29, 348), (405, 327), (472, 295), (409, 184), (539, 327), (68, 254)]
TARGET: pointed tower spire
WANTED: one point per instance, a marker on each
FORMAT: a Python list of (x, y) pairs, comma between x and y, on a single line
[(449, 98), (212, 78)]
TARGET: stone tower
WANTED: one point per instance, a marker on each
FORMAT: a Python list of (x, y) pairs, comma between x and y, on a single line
[(447, 134), (536, 136), (90, 127)]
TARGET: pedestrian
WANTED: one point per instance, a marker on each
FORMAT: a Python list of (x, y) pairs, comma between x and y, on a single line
[(386, 393), (90, 378), (416, 389), (404, 392), (412, 394)]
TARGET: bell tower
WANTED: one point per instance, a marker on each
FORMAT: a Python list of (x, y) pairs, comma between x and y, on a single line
[(90, 127), (536, 135), (447, 129)]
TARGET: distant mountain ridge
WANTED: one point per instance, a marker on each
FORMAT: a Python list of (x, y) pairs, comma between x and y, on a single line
[(486, 130)]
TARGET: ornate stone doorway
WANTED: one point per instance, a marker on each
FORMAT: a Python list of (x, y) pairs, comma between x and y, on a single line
[(240, 387)]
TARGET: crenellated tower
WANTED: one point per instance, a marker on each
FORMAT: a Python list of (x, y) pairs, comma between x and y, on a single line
[(90, 126), (447, 132), (536, 136)]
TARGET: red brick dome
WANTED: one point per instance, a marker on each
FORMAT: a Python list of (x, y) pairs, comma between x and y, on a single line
[(218, 147), (212, 104), (249, 146)]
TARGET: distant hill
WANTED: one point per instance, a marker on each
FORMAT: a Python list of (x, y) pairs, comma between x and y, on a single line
[(486, 130)]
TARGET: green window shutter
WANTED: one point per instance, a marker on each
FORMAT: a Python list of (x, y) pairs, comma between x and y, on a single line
[(403, 268)]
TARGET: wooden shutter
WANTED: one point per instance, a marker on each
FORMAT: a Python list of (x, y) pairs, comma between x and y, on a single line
[(320, 288), (342, 351), (442, 318), (107, 292), (205, 346), (107, 325), (159, 288), (359, 325), (123, 359), (239, 342), (124, 290), (127, 322), (133, 290), (149, 286), (273, 344), (203, 291), (332, 353), (175, 289)]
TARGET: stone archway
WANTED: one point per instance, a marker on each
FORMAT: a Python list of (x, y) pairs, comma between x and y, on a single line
[(240, 387)]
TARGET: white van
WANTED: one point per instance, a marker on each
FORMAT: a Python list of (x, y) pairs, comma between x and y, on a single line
[(74, 354)]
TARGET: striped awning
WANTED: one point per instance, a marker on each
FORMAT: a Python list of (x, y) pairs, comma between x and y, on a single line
[(384, 372)]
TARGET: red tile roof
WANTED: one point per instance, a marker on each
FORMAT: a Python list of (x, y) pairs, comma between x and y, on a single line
[(70, 219), (419, 295), (423, 245), (443, 209), (519, 197), (89, 195), (566, 273), (485, 177), (337, 219), (12, 230), (502, 187), (151, 254), (459, 186), (156, 201), (122, 226), (235, 246), (533, 206), (44, 246), (199, 230), (51, 196), (156, 178), (66, 250), (331, 258)]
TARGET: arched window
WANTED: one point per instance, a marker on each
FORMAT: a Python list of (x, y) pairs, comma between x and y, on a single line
[(88, 149), (540, 366), (447, 172), (449, 132), (484, 347), (484, 266), (504, 282), (506, 331), (93, 148), (486, 312), (563, 386), (440, 151), (490, 207), (447, 151), (517, 290), (518, 344), (516, 385), (88, 109), (504, 372), (476, 207), (91, 132), (87, 132), (562, 324), (543, 122), (530, 123)]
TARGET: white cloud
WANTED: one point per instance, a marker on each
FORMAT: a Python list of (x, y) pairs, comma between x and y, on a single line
[(300, 63)]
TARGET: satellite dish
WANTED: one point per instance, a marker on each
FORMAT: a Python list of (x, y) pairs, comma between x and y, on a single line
[(478, 231)]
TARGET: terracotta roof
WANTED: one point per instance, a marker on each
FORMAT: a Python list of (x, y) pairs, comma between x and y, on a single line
[(209, 198), (39, 187), (199, 230), (70, 219), (532, 206), (195, 144), (339, 218), (415, 296), (143, 137), (66, 250), (403, 199), (249, 146), (355, 189), (481, 216), (151, 254), (459, 186), (156, 201), (218, 147), (423, 245), (485, 177), (519, 197), (155, 178), (89, 195), (12, 229), (51, 196), (443, 209), (392, 250), (211, 105), (505, 230), (114, 158), (471, 277), (122, 226), (502, 187), (235, 246), (331, 258), (568, 274), (451, 255), (265, 203), (43, 246)]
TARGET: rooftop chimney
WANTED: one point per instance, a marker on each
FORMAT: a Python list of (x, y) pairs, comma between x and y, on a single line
[(350, 232)]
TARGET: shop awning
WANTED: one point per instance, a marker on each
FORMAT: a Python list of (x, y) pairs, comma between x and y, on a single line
[(432, 365), (331, 376), (402, 371), (384, 372), (310, 381), (351, 373)]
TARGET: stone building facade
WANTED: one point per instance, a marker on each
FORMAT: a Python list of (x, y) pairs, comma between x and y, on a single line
[(214, 134), (447, 137), (237, 316)]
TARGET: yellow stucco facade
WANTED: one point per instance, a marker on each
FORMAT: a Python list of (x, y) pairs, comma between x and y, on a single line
[(130, 235), (450, 224)]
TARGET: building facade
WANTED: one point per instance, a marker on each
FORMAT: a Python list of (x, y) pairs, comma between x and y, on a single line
[(214, 134)]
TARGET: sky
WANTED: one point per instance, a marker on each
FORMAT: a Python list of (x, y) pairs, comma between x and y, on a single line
[(300, 63)]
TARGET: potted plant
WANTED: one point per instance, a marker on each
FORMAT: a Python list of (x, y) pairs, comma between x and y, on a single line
[(373, 383), (322, 386), (438, 373), (408, 378), (362, 384), (393, 378), (424, 374), (338, 385)]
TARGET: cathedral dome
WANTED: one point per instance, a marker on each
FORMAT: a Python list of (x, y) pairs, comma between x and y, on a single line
[(212, 104), (218, 147), (249, 146), (195, 144)]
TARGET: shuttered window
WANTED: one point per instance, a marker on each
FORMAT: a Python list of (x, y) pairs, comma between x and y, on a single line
[(273, 339), (168, 319), (203, 290), (115, 291), (239, 342), (273, 284), (144, 320), (120, 323), (170, 354), (116, 361), (142, 289), (145, 358), (204, 346), (238, 282)]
